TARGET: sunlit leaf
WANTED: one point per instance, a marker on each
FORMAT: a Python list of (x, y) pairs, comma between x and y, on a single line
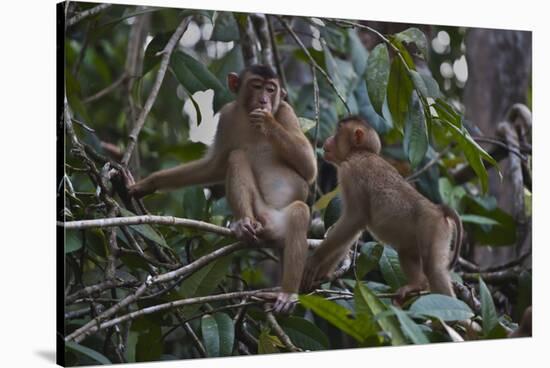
[(416, 36), (378, 71)]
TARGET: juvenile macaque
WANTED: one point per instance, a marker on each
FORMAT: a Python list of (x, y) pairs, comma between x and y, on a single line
[(266, 162), (375, 197)]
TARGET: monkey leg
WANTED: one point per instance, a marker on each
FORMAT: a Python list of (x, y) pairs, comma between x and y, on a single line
[(242, 193), (294, 254), (411, 264), (437, 260)]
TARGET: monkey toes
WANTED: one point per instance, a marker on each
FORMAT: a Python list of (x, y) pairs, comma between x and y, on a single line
[(285, 303)]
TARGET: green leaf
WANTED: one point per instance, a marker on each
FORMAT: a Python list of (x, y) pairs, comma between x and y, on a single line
[(150, 344), (225, 28), (218, 334), (475, 219), (409, 327), (416, 36), (157, 44), (488, 311), (81, 349), (369, 305), (358, 53), (232, 61), (335, 314), (416, 135), (304, 334), (268, 344), (399, 92), (391, 269), (369, 258), (203, 282), (325, 199), (73, 240), (145, 230), (306, 124), (195, 76), (501, 234), (378, 71), (441, 306), (194, 203), (333, 211), (425, 85)]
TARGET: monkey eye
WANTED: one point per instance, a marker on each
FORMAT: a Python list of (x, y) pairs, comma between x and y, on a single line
[(256, 85), (270, 89)]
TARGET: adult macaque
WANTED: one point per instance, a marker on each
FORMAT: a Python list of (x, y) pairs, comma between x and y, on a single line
[(377, 198), (266, 162)]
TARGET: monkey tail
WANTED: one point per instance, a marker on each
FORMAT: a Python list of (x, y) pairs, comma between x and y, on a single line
[(457, 239)]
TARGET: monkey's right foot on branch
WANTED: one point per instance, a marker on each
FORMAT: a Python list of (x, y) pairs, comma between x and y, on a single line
[(404, 291), (246, 230)]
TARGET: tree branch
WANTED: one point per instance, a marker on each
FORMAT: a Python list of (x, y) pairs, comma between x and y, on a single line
[(86, 14), (279, 331), (166, 53)]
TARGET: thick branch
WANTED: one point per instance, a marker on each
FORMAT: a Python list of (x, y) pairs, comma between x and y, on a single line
[(86, 14), (147, 219), (166, 53)]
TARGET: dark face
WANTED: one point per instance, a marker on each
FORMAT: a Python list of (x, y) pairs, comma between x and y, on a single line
[(255, 92)]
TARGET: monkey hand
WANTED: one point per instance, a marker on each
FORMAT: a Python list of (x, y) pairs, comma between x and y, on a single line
[(285, 302), (404, 291), (246, 230), (261, 120)]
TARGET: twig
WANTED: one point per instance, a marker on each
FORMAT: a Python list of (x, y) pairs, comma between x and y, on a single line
[(85, 14), (97, 288), (276, 56), (279, 331), (106, 90), (312, 60), (497, 277), (428, 165), (166, 53), (502, 144), (317, 126)]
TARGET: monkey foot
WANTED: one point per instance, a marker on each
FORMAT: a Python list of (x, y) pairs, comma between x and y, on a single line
[(246, 230), (403, 293), (285, 303)]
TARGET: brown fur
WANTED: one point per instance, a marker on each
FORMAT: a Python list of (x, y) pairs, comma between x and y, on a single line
[(377, 198), (266, 162)]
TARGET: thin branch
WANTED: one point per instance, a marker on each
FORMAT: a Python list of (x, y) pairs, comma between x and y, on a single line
[(86, 14), (316, 108), (276, 56), (95, 326), (166, 53), (105, 91), (502, 144), (497, 277), (279, 331), (312, 61), (79, 334), (428, 165)]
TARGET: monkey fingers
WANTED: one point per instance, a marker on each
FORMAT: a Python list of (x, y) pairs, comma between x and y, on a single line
[(246, 230)]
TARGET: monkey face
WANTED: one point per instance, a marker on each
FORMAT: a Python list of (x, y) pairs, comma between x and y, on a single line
[(256, 92)]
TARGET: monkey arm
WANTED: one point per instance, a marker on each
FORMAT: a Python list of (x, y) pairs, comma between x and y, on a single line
[(331, 251), (207, 170), (291, 144)]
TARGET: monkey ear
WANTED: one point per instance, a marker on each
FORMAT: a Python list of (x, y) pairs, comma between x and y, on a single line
[(233, 82), (283, 94), (358, 135)]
